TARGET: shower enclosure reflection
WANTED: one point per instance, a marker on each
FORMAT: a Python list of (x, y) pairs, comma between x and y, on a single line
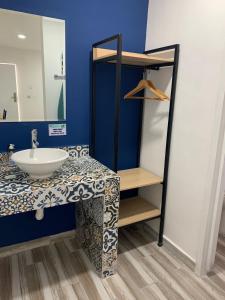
[(32, 68)]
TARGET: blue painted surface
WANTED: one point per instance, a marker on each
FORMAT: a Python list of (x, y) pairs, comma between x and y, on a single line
[(23, 227), (105, 113), (86, 23)]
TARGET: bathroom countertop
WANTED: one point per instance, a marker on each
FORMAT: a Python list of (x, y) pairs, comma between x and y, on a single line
[(80, 178)]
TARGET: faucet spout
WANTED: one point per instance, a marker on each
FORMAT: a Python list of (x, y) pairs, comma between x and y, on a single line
[(34, 135)]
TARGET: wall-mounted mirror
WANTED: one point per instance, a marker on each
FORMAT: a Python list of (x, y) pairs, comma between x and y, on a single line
[(32, 68)]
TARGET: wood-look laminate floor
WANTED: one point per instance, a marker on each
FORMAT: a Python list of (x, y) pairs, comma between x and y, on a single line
[(60, 270)]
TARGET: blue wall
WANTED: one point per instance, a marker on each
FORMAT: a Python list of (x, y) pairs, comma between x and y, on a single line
[(86, 22)]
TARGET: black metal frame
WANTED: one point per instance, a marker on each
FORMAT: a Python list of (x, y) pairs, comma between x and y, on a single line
[(176, 48), (118, 60)]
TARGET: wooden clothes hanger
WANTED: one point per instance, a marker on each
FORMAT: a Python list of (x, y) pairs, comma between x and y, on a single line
[(146, 84)]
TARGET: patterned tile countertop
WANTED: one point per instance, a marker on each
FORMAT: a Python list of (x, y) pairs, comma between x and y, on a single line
[(80, 178)]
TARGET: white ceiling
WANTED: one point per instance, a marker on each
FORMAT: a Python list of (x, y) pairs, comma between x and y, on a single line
[(14, 23)]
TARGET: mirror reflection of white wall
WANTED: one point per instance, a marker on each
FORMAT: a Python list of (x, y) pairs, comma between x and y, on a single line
[(53, 51), (8, 88), (33, 48)]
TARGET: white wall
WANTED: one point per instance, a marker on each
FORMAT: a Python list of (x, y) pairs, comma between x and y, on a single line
[(199, 27), (30, 82), (8, 88)]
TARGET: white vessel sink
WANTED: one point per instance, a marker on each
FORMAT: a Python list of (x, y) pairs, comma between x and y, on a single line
[(40, 162)]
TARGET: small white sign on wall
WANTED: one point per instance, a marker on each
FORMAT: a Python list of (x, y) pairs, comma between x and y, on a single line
[(56, 129)]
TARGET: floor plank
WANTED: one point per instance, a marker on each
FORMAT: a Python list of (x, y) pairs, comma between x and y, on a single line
[(5, 278), (59, 270)]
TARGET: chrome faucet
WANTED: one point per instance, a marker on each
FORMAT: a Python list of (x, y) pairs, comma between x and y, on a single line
[(34, 135)]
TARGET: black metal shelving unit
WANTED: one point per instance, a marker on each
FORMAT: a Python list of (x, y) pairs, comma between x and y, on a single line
[(116, 57)]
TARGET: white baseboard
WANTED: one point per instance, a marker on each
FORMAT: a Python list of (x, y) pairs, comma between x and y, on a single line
[(179, 249), (187, 259)]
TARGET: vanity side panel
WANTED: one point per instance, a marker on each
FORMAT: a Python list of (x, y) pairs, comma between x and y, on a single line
[(97, 231)]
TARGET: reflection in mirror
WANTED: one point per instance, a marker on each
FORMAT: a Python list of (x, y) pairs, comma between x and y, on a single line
[(32, 68)]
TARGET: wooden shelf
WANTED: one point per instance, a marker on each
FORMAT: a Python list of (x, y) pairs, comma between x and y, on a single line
[(138, 177), (136, 209), (137, 59)]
